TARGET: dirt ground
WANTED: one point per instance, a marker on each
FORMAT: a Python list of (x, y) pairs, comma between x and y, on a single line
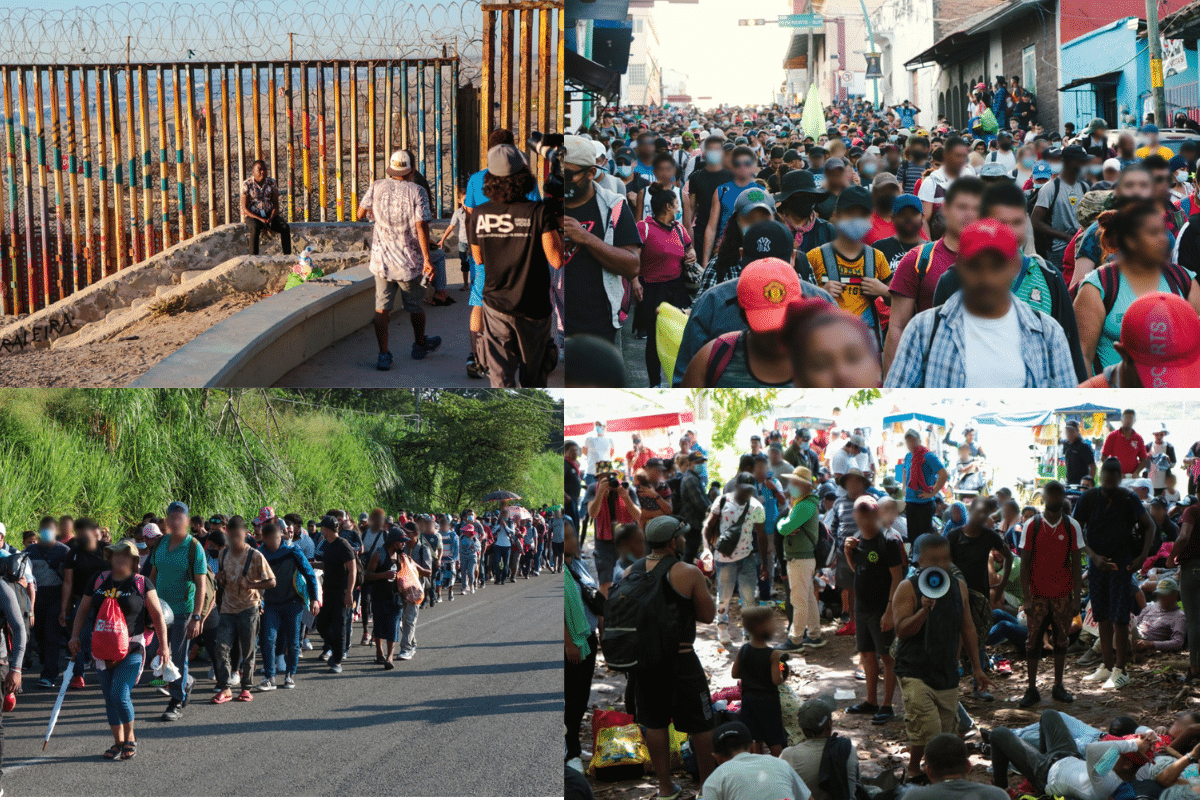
[(125, 356), (1153, 698)]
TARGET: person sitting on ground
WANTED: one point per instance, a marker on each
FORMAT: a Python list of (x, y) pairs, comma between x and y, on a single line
[(1056, 767), (758, 667), (743, 775), (1161, 626), (946, 766), (808, 757)]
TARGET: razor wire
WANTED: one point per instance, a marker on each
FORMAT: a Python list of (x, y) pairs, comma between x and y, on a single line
[(245, 30)]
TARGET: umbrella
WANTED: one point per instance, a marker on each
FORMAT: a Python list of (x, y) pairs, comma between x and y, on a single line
[(67, 673), (501, 495)]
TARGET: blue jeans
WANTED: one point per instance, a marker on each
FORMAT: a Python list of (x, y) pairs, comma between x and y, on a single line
[(115, 684), (743, 574), (408, 628), (180, 645), (438, 256), (281, 618), (467, 567), (1005, 628)]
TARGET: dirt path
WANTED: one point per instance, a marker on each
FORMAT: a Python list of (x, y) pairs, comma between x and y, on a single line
[(124, 357), (1153, 698)]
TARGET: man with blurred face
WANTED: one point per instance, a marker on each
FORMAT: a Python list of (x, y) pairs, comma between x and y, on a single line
[(983, 337), (645, 155), (906, 222), (1134, 181), (177, 569), (724, 198), (884, 190)]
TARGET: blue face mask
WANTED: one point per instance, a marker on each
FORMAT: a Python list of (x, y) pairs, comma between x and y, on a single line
[(624, 170), (854, 229), (1028, 162), (714, 157), (869, 169), (1055, 169), (46, 535)]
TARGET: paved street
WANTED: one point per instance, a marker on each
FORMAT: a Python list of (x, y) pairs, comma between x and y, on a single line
[(477, 712)]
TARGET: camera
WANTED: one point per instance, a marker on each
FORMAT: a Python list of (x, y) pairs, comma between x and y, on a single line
[(550, 147)]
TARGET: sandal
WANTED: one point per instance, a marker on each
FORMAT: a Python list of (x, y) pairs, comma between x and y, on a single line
[(223, 696), (678, 794), (114, 751), (388, 665), (128, 750), (245, 696)]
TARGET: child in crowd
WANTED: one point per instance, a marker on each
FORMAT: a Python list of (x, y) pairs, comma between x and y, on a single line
[(758, 666), (458, 226)]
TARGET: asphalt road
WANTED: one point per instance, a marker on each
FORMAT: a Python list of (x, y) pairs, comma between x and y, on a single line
[(477, 712)]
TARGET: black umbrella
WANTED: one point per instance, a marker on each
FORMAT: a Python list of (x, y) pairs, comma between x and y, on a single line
[(501, 495)]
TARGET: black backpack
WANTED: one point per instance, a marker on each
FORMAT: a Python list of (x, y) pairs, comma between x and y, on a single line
[(12, 569), (727, 542), (640, 628), (823, 548)]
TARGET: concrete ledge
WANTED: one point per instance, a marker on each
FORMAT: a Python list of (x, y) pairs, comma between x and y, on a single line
[(142, 282), (258, 346)]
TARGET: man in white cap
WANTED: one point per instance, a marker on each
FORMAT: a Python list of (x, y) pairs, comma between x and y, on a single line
[(400, 251), (603, 176), (602, 246), (520, 240)]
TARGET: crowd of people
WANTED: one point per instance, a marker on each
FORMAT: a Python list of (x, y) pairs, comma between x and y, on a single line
[(933, 585), (879, 251), (237, 591)]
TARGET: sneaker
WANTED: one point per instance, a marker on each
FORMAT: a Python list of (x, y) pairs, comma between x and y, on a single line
[(266, 686), (1032, 698), (77, 682), (174, 711), (809, 641), (306, 644), (326, 654), (406, 655), (847, 629), (723, 634), (475, 372), (335, 668), (1060, 694), (45, 683), (863, 708), (366, 642), (1090, 659), (1101, 674), (289, 682), (790, 645), (236, 679), (432, 343), (884, 716), (1119, 679), (980, 694), (384, 362)]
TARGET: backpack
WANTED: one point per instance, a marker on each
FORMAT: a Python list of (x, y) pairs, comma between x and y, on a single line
[(1179, 281), (1042, 244), (823, 548), (210, 582), (727, 542), (13, 569), (829, 262), (640, 630), (110, 634), (924, 259), (720, 356)]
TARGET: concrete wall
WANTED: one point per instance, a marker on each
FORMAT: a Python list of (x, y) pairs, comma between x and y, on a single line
[(142, 283), (1113, 47), (904, 28), (1038, 31)]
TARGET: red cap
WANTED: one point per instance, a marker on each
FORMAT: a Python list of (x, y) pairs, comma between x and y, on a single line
[(1161, 333), (987, 235), (866, 501), (765, 288)]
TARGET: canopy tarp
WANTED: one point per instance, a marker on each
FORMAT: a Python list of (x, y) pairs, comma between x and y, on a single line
[(892, 419), (634, 424), (1030, 419)]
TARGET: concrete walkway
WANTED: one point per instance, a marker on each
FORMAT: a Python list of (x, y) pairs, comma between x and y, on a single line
[(350, 362)]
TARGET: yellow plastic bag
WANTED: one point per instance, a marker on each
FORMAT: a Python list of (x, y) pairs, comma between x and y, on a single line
[(669, 324), (620, 754)]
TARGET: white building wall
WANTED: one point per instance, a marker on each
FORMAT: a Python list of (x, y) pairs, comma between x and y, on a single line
[(903, 29)]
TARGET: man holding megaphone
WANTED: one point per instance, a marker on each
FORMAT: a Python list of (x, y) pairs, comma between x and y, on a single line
[(932, 617)]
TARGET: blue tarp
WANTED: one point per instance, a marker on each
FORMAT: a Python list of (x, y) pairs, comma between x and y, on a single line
[(1028, 419), (894, 418)]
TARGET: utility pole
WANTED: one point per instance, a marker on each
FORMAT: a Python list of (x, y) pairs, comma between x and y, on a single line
[(812, 72), (1156, 65), (871, 45)]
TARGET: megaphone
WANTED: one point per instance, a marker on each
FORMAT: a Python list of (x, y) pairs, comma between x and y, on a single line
[(934, 582)]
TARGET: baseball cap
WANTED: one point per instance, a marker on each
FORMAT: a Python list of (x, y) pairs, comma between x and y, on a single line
[(1074, 152), (1095, 124), (765, 288), (994, 169), (767, 239), (884, 179), (1177, 163), (330, 523), (1161, 334), (1073, 423), (1148, 128), (987, 235), (661, 530), (854, 197), (742, 479), (625, 152), (866, 501), (814, 714), (825, 490), (696, 458), (177, 507), (654, 463), (1042, 170), (834, 163), (752, 198), (505, 160), (151, 531), (363, 517), (265, 513), (1166, 586), (731, 736), (903, 201), (859, 441), (578, 151), (400, 164)]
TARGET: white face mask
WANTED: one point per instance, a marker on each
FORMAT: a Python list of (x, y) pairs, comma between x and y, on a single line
[(1182, 176)]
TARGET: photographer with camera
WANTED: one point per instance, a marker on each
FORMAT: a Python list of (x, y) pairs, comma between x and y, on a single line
[(610, 503)]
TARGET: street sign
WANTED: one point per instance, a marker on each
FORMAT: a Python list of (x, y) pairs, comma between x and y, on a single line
[(813, 21)]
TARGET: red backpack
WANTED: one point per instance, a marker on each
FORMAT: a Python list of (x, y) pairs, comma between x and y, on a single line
[(110, 635)]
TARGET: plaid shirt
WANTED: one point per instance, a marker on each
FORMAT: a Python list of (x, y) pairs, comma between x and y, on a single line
[(708, 278), (1043, 346), (261, 198)]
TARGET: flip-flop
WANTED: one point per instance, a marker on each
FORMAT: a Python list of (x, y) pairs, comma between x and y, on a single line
[(221, 697), (245, 696)]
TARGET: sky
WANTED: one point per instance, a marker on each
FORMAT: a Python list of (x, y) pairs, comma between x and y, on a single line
[(731, 63)]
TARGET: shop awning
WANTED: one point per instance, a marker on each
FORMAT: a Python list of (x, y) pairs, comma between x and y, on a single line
[(973, 30), (892, 419), (1103, 79), (1183, 24), (634, 424), (585, 75)]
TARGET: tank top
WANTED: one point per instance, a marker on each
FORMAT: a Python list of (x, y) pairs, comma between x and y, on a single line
[(684, 612), (755, 669), (936, 665), (1105, 352), (647, 213), (737, 372)]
